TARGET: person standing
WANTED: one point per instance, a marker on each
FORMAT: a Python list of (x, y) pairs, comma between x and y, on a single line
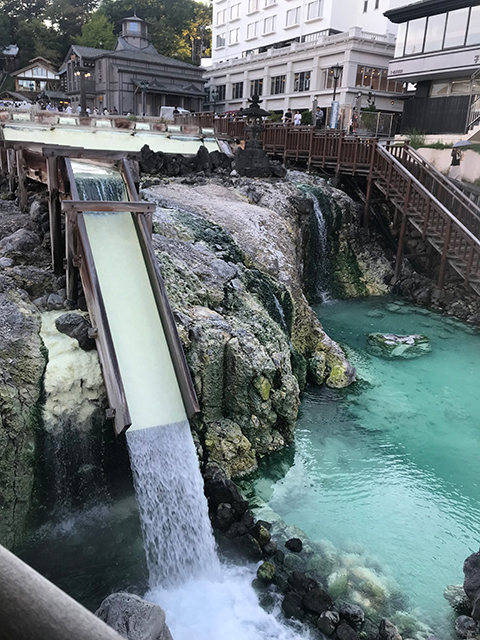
[(288, 116), (457, 157), (297, 118), (319, 116)]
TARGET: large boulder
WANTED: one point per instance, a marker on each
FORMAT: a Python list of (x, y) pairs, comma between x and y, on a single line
[(471, 584), (389, 345), (134, 618), (78, 328)]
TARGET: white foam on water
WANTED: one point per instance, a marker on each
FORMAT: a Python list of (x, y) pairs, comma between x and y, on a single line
[(178, 538), (225, 608)]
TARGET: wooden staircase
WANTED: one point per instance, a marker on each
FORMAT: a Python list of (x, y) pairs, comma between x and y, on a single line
[(445, 217)]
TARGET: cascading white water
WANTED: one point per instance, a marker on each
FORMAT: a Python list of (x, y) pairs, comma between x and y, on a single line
[(202, 598), (322, 251), (178, 538)]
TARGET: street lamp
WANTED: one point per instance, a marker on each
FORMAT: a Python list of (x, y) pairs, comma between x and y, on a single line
[(336, 70), (82, 74), (214, 98)]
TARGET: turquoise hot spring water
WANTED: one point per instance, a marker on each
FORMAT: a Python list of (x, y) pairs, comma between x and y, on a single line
[(388, 468)]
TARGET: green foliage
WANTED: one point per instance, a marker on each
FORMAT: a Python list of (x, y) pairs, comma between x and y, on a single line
[(274, 117), (306, 117), (438, 145), (97, 32), (416, 138), (48, 27)]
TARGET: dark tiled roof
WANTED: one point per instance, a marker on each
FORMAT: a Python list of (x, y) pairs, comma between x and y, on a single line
[(163, 87), (142, 55), (89, 52)]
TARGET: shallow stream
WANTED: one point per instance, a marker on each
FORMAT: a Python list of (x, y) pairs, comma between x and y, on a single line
[(387, 470)]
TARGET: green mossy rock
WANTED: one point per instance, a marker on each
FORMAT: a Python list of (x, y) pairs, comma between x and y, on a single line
[(266, 572)]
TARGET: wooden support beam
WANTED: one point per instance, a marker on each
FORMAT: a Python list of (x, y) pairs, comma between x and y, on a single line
[(22, 181), (71, 261), (401, 239), (443, 263), (104, 205), (12, 173), (55, 215)]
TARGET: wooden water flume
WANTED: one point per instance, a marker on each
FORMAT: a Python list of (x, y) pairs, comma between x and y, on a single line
[(73, 250)]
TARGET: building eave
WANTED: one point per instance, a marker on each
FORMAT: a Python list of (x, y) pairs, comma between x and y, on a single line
[(427, 8)]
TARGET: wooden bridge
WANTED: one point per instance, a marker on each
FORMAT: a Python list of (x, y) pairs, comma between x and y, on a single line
[(446, 217)]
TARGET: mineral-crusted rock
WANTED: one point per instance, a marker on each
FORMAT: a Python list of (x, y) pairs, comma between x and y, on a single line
[(266, 572), (388, 631), (226, 445), (456, 597), (352, 613), (466, 627), (327, 622), (392, 346), (471, 583), (22, 364), (134, 618)]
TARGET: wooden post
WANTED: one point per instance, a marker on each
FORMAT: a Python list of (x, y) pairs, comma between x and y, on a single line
[(22, 180), (403, 229), (55, 215), (70, 257), (310, 149), (366, 211), (12, 183), (443, 263)]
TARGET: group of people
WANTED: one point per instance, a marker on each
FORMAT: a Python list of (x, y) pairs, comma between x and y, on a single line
[(318, 117)]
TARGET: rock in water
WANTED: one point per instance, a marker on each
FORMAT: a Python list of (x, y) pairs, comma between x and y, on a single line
[(134, 618), (389, 345)]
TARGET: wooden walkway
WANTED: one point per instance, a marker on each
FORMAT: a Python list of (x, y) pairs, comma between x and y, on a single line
[(423, 197)]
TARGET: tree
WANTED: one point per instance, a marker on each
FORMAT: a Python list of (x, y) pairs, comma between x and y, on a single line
[(198, 33), (167, 19), (97, 32)]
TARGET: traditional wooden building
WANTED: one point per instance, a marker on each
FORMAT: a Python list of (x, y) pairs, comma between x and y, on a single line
[(37, 77), (133, 78)]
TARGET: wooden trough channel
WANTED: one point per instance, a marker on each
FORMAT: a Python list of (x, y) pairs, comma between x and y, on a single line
[(71, 252)]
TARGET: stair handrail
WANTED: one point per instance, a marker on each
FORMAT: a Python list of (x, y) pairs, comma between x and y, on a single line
[(473, 113), (471, 207), (381, 150)]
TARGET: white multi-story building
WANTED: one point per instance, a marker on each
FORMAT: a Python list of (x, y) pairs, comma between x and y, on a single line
[(284, 50)]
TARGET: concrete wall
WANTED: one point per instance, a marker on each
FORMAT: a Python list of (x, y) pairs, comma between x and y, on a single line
[(441, 158)]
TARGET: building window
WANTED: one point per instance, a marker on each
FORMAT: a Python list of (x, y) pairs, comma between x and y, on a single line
[(365, 6), (220, 40), (256, 87), (220, 92), (253, 5), (377, 4), (237, 90), (234, 36), (328, 81), (277, 85), (39, 71), (315, 10), (235, 11), (456, 28), (133, 26), (269, 24), (293, 17), (435, 32), (252, 30), (400, 44), (221, 16), (376, 79), (415, 36), (268, 3), (473, 36), (301, 81)]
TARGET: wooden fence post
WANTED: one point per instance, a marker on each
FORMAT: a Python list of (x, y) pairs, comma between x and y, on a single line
[(403, 229)]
